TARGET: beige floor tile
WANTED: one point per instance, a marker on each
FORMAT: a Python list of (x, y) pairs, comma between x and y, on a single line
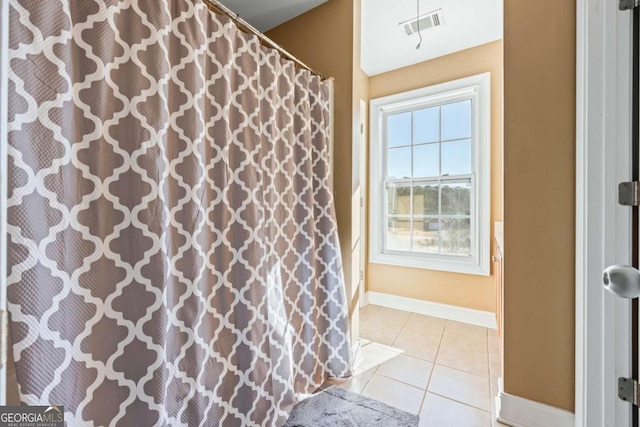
[(358, 382), (494, 340), (375, 354), (362, 341), (471, 339), (456, 354), (378, 332), (384, 325), (438, 411), (367, 314), (423, 321), (368, 309), (495, 367), (407, 369), (494, 348), (392, 313), (461, 383), (394, 393), (461, 386), (466, 327), (423, 346), (492, 333), (494, 351), (493, 387)]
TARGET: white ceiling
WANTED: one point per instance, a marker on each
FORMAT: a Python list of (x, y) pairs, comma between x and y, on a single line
[(267, 14), (386, 47)]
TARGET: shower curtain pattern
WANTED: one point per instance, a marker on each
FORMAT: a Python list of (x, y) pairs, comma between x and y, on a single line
[(173, 253)]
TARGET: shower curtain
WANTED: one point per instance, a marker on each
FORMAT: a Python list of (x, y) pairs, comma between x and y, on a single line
[(173, 253)]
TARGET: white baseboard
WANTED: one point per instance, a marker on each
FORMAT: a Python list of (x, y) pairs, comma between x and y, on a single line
[(444, 311), (519, 412), (365, 300)]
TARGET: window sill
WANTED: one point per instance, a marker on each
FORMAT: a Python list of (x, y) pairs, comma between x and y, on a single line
[(441, 263)]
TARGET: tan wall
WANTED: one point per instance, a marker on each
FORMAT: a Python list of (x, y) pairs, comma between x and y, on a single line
[(477, 292), (539, 211), (323, 39)]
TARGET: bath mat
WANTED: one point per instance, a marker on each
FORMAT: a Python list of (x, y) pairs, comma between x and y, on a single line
[(337, 407)]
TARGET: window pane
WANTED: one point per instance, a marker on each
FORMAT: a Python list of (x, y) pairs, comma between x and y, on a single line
[(425, 199), (399, 163), (399, 129), (426, 125), (456, 120), (456, 158), (456, 198), (426, 161), (426, 237), (398, 236), (456, 236), (399, 199)]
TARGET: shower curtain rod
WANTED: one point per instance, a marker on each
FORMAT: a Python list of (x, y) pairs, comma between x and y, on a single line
[(216, 6)]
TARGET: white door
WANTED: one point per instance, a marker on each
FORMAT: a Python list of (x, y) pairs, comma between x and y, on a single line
[(623, 279), (608, 153), (606, 130)]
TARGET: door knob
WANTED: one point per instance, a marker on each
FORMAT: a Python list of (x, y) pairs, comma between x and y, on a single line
[(622, 280)]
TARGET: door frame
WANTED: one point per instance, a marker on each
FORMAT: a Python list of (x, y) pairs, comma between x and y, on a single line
[(603, 227), (364, 168)]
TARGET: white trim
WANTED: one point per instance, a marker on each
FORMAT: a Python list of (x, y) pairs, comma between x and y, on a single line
[(602, 226), (365, 299), (4, 98), (478, 88), (485, 319), (363, 195), (518, 412)]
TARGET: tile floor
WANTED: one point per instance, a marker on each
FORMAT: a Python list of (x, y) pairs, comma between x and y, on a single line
[(445, 371)]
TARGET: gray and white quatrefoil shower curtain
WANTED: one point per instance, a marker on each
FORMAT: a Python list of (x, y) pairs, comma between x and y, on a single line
[(173, 253)]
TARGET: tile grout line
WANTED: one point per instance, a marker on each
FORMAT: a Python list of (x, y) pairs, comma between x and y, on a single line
[(375, 370), (444, 329), (401, 382), (404, 325), (460, 370), (434, 367), (433, 362), (393, 342), (367, 383), (461, 403), (425, 391), (398, 381)]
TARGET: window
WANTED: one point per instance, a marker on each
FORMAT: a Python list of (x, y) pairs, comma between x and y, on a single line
[(430, 177)]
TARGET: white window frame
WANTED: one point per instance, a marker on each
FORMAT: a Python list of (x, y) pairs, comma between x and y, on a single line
[(476, 88)]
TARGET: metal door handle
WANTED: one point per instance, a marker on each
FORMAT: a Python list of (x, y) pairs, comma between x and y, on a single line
[(622, 280)]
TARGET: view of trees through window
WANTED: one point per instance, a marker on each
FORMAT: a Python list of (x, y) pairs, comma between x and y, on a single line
[(429, 181)]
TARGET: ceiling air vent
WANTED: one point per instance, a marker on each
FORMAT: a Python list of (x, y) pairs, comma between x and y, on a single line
[(426, 22)]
